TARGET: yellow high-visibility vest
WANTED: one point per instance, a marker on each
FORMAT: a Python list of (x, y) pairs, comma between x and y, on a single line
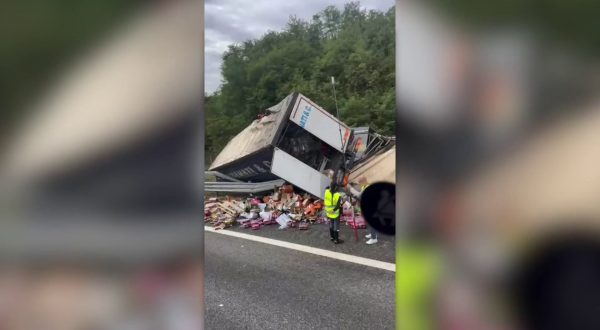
[(417, 272), (331, 200)]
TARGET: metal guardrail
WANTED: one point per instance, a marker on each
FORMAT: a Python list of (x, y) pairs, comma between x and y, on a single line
[(237, 186), (222, 176), (242, 187)]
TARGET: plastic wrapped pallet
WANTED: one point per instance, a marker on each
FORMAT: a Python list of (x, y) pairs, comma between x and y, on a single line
[(266, 216), (283, 221)]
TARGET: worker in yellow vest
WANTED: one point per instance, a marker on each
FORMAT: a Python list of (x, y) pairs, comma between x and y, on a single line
[(332, 209)]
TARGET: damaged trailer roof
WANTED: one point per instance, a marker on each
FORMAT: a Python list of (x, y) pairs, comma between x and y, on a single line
[(256, 136)]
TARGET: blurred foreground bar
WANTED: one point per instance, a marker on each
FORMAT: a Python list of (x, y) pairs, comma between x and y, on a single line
[(497, 138), (101, 186), (117, 142)]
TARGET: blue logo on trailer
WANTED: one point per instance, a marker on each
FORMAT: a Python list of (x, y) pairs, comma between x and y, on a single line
[(305, 115)]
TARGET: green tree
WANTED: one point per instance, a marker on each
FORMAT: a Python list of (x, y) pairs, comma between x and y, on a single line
[(353, 45)]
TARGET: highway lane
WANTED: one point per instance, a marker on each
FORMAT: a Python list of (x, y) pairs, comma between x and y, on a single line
[(253, 285)]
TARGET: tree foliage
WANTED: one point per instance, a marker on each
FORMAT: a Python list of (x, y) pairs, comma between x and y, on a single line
[(355, 46)]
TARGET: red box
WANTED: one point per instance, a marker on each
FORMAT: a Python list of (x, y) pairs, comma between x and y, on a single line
[(345, 218), (358, 223), (358, 226)]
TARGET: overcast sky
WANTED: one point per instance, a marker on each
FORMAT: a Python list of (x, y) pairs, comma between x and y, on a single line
[(232, 21)]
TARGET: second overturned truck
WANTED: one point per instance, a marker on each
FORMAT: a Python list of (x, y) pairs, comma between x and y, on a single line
[(297, 141)]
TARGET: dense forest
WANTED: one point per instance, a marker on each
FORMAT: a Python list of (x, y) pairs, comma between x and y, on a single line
[(353, 45)]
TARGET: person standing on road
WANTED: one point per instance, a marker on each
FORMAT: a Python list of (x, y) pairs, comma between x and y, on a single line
[(372, 235), (332, 209)]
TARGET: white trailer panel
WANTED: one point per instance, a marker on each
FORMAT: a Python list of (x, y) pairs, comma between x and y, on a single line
[(298, 173), (320, 123)]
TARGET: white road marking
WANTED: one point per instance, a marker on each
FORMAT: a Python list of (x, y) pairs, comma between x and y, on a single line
[(303, 248)]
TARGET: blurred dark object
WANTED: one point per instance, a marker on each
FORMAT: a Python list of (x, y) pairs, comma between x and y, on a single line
[(557, 286), (377, 203)]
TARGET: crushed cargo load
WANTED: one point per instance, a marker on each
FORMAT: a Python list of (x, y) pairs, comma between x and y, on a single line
[(295, 141), (299, 142)]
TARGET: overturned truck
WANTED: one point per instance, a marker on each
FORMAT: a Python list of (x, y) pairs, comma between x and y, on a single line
[(297, 141)]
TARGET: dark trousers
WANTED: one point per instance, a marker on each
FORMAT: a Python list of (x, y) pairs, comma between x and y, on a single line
[(372, 231), (334, 226)]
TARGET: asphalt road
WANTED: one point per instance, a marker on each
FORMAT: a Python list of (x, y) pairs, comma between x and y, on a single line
[(318, 236), (253, 285)]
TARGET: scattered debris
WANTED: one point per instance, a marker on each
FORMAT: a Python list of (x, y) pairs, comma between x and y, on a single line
[(284, 207)]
